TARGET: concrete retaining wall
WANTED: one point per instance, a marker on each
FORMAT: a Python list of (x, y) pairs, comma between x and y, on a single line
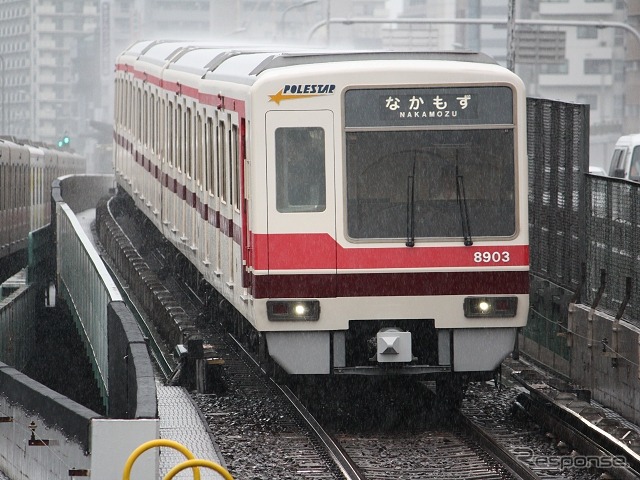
[(596, 362)]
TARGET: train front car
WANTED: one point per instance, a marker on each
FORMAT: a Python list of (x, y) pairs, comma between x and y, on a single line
[(393, 236)]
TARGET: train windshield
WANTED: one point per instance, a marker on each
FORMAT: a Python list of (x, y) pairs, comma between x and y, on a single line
[(416, 180)]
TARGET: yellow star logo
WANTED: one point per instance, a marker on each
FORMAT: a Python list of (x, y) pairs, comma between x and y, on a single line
[(278, 97)]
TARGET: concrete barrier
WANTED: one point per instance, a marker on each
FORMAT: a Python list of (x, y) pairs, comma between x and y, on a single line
[(596, 361), (62, 429), (132, 391)]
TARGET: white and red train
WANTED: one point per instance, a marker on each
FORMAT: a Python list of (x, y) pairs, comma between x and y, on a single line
[(27, 170), (364, 212)]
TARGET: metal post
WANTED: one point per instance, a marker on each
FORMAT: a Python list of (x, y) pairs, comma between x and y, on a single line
[(3, 131), (511, 27), (328, 22)]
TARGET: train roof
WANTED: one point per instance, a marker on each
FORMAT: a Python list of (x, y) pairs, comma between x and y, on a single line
[(201, 60), (290, 59), (243, 64), (138, 47), (247, 67), (159, 53)]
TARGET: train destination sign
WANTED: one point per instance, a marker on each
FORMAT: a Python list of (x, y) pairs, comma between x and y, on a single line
[(429, 106)]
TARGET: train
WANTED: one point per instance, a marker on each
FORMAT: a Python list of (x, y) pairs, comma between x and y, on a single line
[(363, 212), (27, 169)]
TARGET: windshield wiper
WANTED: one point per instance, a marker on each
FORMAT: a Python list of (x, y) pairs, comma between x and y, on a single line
[(411, 203), (411, 209), (464, 211)]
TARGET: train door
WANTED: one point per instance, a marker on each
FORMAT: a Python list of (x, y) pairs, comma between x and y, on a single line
[(301, 219)]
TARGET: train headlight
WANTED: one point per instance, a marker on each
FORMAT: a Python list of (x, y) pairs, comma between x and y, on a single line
[(292, 310), (475, 307)]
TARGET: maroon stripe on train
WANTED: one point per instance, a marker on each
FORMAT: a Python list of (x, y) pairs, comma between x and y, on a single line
[(391, 284)]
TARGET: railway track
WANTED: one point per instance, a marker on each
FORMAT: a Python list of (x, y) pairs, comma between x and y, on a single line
[(255, 409), (264, 430)]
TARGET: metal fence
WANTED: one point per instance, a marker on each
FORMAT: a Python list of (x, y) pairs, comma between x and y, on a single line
[(557, 140), (87, 287), (17, 326), (557, 145), (613, 230), (584, 229)]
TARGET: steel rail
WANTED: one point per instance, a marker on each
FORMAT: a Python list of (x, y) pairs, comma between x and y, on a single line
[(506, 459), (341, 460), (569, 425)]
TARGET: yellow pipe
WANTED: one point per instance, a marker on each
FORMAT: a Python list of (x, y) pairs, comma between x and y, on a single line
[(160, 442), (198, 463)]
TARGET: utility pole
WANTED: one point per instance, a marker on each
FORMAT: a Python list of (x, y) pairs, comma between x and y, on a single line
[(3, 131), (328, 22), (511, 35)]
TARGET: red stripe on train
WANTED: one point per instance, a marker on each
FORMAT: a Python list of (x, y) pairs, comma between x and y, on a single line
[(320, 251)]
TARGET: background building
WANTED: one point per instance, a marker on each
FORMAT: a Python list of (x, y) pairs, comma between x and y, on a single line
[(47, 49), (57, 56), (593, 70)]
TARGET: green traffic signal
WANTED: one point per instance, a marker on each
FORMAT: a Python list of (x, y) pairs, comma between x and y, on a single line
[(64, 141)]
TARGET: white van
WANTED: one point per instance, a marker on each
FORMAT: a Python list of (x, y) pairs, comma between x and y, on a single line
[(625, 162)]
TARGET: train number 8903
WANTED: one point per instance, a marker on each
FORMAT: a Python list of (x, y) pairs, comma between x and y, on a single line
[(491, 257)]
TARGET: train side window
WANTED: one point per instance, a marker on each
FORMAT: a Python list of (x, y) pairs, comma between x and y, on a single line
[(124, 110), (170, 135), (188, 137), (300, 169), (210, 171), (235, 152), (180, 140), (222, 164), (199, 167), (144, 130), (138, 114), (162, 149), (132, 109), (127, 107), (154, 125)]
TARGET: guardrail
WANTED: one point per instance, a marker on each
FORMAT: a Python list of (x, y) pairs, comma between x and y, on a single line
[(87, 288)]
